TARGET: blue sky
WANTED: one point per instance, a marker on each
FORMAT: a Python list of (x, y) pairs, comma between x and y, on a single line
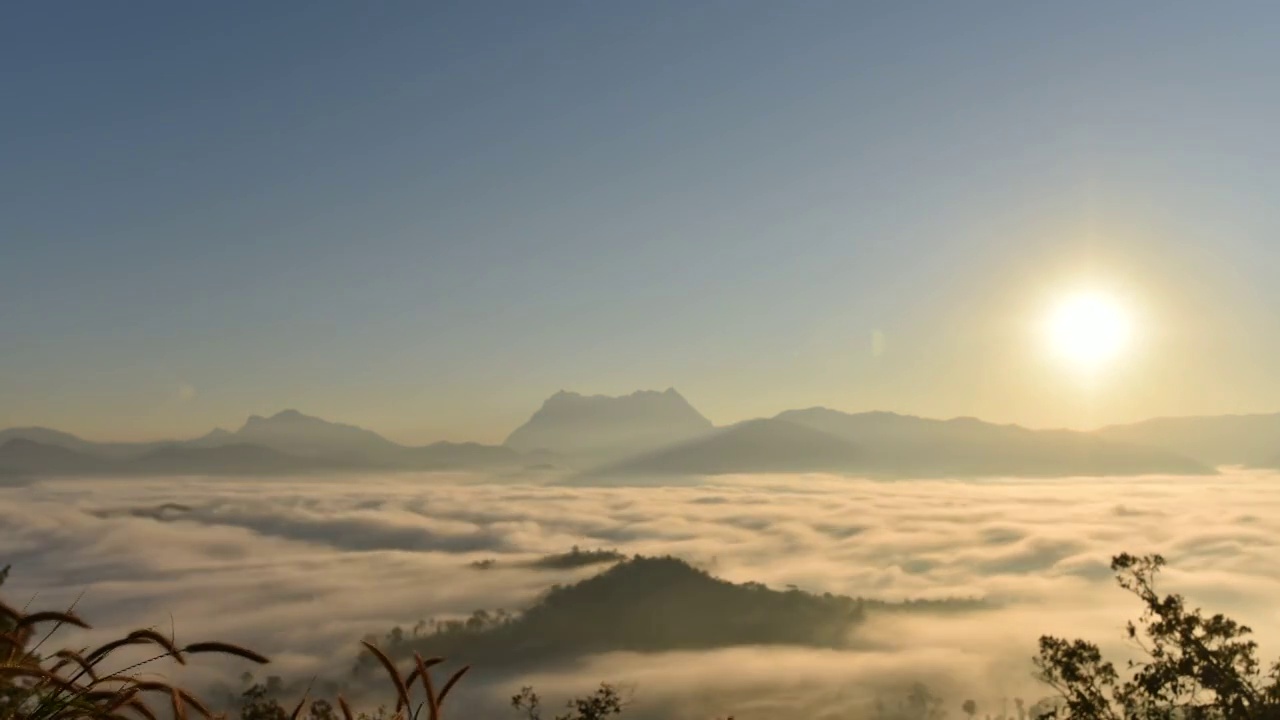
[(426, 217)]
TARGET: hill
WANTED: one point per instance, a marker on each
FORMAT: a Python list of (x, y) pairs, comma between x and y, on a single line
[(1215, 440), (649, 604), (890, 445), (967, 447), (288, 441), (292, 432), (57, 438), (340, 445), (766, 445), (598, 428), (46, 436), (21, 456)]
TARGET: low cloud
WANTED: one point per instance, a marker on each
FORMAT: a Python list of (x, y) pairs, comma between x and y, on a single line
[(301, 568)]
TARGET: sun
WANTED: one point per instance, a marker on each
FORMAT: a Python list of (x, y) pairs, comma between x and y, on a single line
[(1089, 330)]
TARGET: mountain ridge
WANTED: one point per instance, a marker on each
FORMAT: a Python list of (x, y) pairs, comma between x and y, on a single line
[(614, 433), (596, 428), (758, 445), (286, 441), (27, 457), (882, 444), (1249, 439)]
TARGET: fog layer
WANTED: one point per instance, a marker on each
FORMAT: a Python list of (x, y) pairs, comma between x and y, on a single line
[(302, 568)]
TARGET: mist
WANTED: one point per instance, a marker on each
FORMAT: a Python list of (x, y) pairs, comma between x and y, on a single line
[(300, 568)]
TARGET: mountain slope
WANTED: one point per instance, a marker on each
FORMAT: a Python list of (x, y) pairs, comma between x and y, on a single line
[(20, 455), (891, 445), (598, 427), (213, 438), (905, 445), (291, 432), (240, 458), (57, 438), (46, 436), (1214, 440), (650, 604), (766, 445)]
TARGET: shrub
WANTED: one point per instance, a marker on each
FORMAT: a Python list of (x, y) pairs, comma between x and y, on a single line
[(70, 684), (1195, 667)]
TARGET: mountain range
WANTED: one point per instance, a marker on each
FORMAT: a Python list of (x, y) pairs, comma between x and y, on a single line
[(656, 433), (287, 442), (890, 445)]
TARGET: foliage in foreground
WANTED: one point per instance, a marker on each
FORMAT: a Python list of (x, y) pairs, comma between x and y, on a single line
[(75, 685), (1195, 667), (70, 684)]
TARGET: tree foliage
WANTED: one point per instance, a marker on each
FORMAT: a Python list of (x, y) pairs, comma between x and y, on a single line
[(603, 703), (1193, 667), (645, 604), (920, 703)]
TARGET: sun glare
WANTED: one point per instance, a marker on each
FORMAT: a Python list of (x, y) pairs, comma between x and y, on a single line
[(1089, 330)]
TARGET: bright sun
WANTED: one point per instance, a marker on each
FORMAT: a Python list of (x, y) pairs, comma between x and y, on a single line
[(1089, 330)]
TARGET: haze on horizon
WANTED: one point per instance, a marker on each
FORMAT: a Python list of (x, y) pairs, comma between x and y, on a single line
[(426, 219)]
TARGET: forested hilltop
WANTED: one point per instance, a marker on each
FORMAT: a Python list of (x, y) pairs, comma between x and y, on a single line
[(648, 604)]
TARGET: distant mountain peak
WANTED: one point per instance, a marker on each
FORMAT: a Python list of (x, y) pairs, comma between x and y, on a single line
[(289, 415), (44, 435), (295, 420), (213, 438), (634, 393), (561, 397), (26, 444), (573, 424), (294, 432)]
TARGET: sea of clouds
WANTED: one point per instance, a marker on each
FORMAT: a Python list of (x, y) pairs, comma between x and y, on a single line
[(301, 568)]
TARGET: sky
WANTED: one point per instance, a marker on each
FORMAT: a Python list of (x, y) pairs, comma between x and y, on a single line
[(424, 218)]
